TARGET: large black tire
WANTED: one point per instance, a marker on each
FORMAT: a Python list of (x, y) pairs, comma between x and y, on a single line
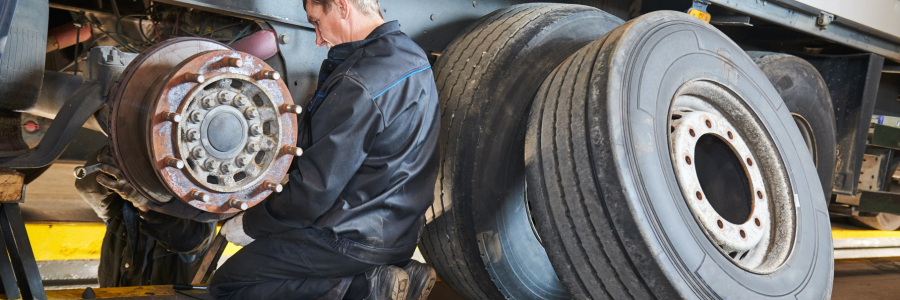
[(804, 92), (480, 240), (604, 194)]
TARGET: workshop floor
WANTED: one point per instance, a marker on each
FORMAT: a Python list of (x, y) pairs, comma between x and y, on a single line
[(57, 215)]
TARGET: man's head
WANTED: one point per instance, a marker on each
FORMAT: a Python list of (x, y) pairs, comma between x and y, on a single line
[(342, 21)]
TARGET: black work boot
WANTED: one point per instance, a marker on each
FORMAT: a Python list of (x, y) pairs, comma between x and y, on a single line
[(387, 283), (421, 280)]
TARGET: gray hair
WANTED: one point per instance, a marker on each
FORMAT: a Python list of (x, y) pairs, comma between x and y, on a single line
[(366, 7)]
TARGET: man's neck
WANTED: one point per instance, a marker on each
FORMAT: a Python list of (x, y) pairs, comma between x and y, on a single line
[(364, 28)]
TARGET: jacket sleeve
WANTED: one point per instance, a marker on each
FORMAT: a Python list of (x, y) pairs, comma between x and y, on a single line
[(177, 234), (343, 130)]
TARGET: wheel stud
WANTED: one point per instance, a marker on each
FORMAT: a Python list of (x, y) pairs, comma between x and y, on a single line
[(173, 162), (291, 109), (172, 117), (198, 195), (268, 75), (194, 77), (251, 113), (233, 62), (224, 97), (235, 203), (273, 186), (291, 150)]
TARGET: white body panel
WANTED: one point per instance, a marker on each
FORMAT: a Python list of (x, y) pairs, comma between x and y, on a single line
[(882, 15)]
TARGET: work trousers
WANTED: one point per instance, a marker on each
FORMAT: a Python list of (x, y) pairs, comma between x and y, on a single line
[(297, 264)]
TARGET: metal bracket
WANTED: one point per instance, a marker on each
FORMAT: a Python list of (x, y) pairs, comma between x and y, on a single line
[(824, 19)]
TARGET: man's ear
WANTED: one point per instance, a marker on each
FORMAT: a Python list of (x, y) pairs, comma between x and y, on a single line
[(343, 8)]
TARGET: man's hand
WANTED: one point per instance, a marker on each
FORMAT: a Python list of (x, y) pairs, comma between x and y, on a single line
[(233, 230), (96, 195), (113, 179)]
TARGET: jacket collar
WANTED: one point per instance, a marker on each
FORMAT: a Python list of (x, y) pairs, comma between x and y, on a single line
[(342, 51)]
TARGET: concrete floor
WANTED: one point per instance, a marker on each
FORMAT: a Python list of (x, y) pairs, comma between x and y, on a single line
[(53, 197)]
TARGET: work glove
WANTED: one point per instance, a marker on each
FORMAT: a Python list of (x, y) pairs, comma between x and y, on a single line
[(233, 230), (113, 179), (96, 195)]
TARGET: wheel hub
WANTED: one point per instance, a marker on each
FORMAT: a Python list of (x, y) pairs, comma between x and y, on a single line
[(212, 126)]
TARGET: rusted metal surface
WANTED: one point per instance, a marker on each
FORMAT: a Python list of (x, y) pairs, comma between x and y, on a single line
[(166, 119), (128, 142), (12, 185), (210, 259)]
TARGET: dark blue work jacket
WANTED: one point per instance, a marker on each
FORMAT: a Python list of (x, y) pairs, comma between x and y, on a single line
[(370, 160)]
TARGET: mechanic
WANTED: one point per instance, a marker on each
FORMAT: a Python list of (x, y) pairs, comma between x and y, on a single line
[(349, 217), (141, 246)]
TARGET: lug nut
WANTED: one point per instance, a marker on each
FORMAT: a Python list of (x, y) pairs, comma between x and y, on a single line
[(235, 203), (251, 113), (210, 165), (225, 97), (196, 117), (241, 161), (226, 168), (240, 100), (193, 135), (255, 130), (291, 109), (198, 153), (173, 162), (268, 74), (194, 77), (252, 147), (209, 102), (291, 150), (273, 186), (198, 195), (233, 62)]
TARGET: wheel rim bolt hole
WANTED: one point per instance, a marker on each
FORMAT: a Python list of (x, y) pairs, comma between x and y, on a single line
[(730, 136), (721, 225), (691, 131), (708, 124), (749, 162), (743, 235), (756, 220), (687, 159), (699, 196), (759, 194)]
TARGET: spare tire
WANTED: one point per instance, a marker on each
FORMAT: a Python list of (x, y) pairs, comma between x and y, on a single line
[(480, 239), (804, 92), (661, 163)]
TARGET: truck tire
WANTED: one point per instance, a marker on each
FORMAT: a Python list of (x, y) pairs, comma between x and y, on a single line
[(480, 239), (651, 123), (804, 92), (882, 221)]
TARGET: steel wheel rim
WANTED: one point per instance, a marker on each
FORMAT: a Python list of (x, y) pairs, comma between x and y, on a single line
[(706, 113)]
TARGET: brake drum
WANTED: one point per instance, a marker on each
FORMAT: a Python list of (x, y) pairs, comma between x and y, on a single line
[(212, 126)]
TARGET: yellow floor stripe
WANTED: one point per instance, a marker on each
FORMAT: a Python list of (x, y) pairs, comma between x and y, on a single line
[(65, 241), (845, 231), (73, 241)]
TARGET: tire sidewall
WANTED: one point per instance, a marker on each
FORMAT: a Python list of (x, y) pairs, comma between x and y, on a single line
[(634, 120)]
